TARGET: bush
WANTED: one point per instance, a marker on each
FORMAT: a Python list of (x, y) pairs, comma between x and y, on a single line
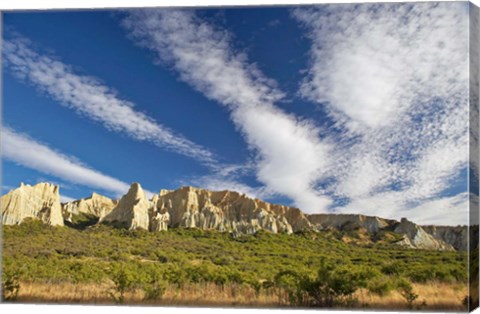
[(393, 268), (380, 286), (124, 281), (332, 286), (155, 288), (289, 287), (10, 287), (406, 291)]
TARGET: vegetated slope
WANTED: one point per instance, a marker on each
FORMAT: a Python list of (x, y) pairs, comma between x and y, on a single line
[(39, 252)]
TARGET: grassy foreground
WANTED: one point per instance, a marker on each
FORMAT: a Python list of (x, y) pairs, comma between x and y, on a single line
[(193, 267)]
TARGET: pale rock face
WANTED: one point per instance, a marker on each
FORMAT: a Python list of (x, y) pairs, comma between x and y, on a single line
[(414, 236), (419, 238), (159, 221), (96, 205), (297, 220), (226, 211), (455, 236), (349, 222), (405, 242), (132, 211), (41, 201)]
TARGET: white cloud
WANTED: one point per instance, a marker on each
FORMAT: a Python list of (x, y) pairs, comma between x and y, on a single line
[(216, 183), (394, 78), (474, 95), (371, 62), (290, 156), (451, 211), (66, 199), (27, 152), (89, 97)]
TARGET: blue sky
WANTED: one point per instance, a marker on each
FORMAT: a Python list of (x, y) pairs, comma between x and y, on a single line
[(343, 108)]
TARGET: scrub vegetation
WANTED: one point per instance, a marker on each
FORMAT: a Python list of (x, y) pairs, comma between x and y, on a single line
[(101, 264)]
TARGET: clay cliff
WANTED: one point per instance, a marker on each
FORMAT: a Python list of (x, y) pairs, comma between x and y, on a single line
[(455, 236), (132, 211), (96, 205), (350, 222), (225, 211), (416, 237), (41, 201), (413, 235)]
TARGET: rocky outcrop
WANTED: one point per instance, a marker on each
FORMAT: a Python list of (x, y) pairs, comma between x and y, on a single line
[(225, 211), (414, 236), (349, 222), (455, 236), (41, 201), (159, 216), (417, 237), (96, 205), (132, 211)]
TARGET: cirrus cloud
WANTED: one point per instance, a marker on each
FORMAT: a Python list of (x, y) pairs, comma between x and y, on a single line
[(93, 99), (290, 155), (26, 151)]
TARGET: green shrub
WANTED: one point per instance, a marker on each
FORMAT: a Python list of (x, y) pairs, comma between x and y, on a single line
[(406, 291), (393, 268), (289, 287), (10, 286), (380, 286), (124, 281), (155, 287), (333, 286)]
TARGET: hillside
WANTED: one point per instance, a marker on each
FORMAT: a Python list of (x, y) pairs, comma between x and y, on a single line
[(174, 247), (85, 266), (225, 211)]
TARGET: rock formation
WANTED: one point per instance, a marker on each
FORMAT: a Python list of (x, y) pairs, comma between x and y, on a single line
[(159, 216), (416, 237), (226, 211), (132, 211), (455, 236), (41, 201), (96, 205), (350, 222)]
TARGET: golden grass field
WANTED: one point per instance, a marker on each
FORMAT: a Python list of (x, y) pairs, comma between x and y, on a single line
[(437, 296)]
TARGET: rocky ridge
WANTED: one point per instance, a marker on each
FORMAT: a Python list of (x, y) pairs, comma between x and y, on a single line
[(457, 236), (350, 222), (225, 211), (132, 211), (96, 205), (41, 201)]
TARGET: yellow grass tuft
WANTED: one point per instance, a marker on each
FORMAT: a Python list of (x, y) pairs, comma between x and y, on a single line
[(433, 296)]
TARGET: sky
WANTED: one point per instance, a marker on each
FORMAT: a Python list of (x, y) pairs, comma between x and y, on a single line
[(346, 108)]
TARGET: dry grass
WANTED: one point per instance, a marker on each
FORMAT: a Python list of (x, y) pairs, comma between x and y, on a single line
[(194, 294), (437, 296)]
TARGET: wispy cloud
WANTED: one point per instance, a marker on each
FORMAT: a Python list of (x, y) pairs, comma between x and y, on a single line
[(89, 97), (394, 79), (290, 156), (373, 62), (25, 151), (66, 199), (221, 183)]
